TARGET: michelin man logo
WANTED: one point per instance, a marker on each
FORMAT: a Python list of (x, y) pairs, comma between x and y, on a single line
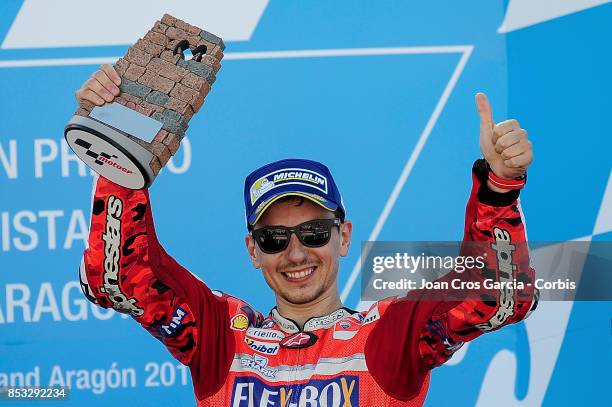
[(260, 187)]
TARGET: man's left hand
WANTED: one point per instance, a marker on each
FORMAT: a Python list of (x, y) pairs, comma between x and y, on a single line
[(504, 145)]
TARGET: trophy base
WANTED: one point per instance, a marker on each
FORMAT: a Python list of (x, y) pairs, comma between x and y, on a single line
[(110, 153)]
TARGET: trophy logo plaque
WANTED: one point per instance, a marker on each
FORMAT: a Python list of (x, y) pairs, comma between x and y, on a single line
[(130, 140)]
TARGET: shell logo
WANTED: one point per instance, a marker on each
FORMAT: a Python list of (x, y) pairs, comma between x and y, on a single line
[(239, 323)]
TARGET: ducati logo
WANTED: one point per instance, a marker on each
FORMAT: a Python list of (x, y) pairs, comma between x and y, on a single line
[(346, 329), (299, 340)]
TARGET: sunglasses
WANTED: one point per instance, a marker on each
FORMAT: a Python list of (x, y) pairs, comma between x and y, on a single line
[(275, 239)]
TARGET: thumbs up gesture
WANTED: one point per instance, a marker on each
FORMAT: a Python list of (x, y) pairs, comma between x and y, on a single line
[(504, 145)]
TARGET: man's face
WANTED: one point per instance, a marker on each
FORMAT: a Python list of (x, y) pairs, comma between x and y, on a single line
[(300, 274)]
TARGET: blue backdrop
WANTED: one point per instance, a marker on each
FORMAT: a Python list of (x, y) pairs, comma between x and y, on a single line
[(380, 91)]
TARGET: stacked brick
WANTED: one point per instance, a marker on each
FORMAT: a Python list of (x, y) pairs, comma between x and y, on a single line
[(158, 81)]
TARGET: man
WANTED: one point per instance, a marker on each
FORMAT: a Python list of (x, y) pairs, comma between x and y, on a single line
[(310, 350)]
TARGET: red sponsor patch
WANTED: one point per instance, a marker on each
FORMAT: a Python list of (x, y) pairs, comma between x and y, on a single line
[(239, 322), (299, 340), (346, 329)]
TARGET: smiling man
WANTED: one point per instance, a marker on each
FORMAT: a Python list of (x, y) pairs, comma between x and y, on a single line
[(299, 263), (309, 350)]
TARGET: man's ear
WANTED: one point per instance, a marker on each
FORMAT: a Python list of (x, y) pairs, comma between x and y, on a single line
[(250, 245), (346, 231)]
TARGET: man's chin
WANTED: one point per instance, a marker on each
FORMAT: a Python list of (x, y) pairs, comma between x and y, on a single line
[(301, 298)]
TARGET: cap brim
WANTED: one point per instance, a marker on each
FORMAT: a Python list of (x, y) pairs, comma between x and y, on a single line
[(319, 200)]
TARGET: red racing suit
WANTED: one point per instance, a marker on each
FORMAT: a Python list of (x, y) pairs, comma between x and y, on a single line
[(238, 357)]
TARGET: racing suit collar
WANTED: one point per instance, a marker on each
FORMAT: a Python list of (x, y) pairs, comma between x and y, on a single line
[(312, 324)]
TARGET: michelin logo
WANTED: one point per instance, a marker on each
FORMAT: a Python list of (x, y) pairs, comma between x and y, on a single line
[(294, 176), (301, 175), (338, 391), (260, 187)]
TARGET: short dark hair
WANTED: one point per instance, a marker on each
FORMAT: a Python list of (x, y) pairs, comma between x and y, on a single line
[(299, 200)]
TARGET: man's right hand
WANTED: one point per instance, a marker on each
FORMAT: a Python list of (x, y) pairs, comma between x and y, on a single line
[(101, 87)]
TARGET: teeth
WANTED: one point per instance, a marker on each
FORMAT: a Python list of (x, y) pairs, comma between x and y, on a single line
[(300, 274)]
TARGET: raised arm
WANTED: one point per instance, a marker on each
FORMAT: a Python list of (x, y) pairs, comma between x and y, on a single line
[(495, 221), (424, 330), (493, 217), (125, 267)]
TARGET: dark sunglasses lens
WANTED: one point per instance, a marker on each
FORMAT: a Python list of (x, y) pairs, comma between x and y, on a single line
[(272, 240), (315, 233)]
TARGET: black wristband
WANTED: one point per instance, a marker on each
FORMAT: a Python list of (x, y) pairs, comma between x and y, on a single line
[(485, 194)]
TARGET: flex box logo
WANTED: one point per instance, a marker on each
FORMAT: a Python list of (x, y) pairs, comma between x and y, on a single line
[(339, 391)]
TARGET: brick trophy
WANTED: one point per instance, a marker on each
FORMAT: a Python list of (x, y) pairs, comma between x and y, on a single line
[(130, 140)]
